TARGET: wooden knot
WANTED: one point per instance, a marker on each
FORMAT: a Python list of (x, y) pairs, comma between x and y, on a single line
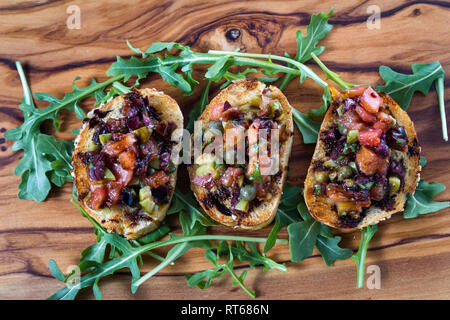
[(233, 34)]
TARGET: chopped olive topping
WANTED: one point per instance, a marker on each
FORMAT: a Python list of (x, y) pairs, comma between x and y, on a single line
[(246, 182), (358, 161), (129, 152)]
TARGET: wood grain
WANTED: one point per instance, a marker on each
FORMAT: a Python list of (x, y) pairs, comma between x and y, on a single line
[(414, 255)]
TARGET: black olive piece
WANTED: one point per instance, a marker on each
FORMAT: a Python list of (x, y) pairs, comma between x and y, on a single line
[(127, 197)]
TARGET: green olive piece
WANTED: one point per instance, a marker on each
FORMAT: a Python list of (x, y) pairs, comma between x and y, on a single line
[(344, 173), (342, 128), (332, 175), (93, 146), (330, 164), (321, 176), (205, 169), (145, 193), (143, 133), (104, 138), (216, 125), (155, 164), (255, 101), (109, 175), (352, 165), (148, 205), (242, 206), (248, 192), (394, 185), (352, 136)]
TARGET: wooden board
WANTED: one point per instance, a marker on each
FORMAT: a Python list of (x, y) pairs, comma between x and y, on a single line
[(414, 255)]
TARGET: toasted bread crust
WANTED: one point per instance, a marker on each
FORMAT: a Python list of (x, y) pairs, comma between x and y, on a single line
[(322, 210), (116, 220), (238, 93)]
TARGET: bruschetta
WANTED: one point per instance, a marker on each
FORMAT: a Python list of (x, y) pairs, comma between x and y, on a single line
[(365, 162), (246, 194), (122, 166)]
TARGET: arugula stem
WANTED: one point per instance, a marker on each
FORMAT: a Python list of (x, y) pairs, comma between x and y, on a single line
[(151, 254), (26, 89), (361, 265), (83, 95), (332, 75), (440, 92), (286, 80), (301, 67), (236, 278), (121, 87), (158, 268), (360, 257)]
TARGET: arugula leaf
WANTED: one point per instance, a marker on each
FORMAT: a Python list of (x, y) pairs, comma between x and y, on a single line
[(116, 90), (229, 76), (401, 87), (287, 213), (254, 257), (190, 205), (302, 239), (45, 159), (421, 202), (190, 228), (332, 75), (96, 264), (317, 29), (308, 127), (326, 97), (203, 279), (330, 251), (198, 109), (306, 234), (306, 124), (360, 257), (59, 153)]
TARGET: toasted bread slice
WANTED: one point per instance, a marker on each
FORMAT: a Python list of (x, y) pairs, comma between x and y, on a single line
[(239, 93), (323, 209), (116, 219)]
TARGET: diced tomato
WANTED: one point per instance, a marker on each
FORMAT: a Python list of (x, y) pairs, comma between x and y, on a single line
[(233, 135), (127, 160), (370, 137), (263, 191), (114, 188), (384, 121), (97, 198), (356, 91), (204, 181), (157, 179), (231, 114), (216, 112), (364, 115), (230, 176), (381, 125), (265, 164), (370, 100), (253, 133), (352, 121), (123, 176), (114, 148), (370, 163), (377, 192), (335, 193), (151, 146), (264, 106)]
